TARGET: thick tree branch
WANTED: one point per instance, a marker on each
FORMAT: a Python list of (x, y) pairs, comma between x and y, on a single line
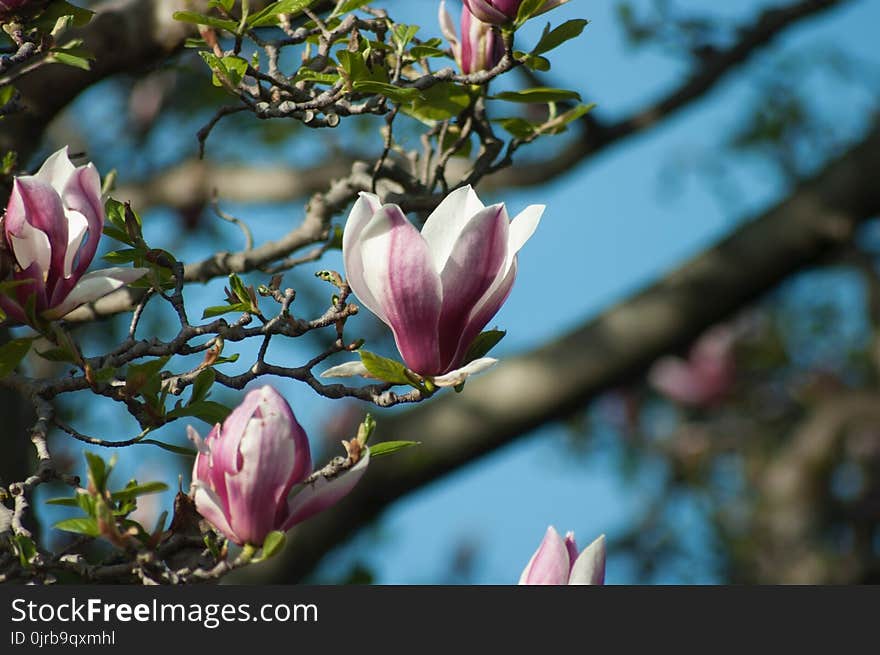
[(561, 377)]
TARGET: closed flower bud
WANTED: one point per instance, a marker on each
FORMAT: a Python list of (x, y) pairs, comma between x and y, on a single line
[(502, 12), (480, 47), (52, 226), (247, 467), (557, 562)]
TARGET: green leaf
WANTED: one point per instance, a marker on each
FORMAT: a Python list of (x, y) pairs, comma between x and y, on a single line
[(518, 127), (179, 450), (11, 354), (202, 385), (272, 545), (384, 368), (551, 39), (484, 342), (239, 289), (528, 9), (200, 19), (349, 6), (269, 15), (403, 34), (389, 447), (207, 410), (424, 51), (139, 490), (62, 8), (124, 256), (439, 103), (26, 548), (138, 375), (219, 310), (65, 502), (69, 59), (99, 470), (534, 62), (390, 91), (84, 526), (538, 94), (236, 67)]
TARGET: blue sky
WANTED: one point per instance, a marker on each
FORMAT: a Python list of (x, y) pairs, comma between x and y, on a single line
[(610, 228)]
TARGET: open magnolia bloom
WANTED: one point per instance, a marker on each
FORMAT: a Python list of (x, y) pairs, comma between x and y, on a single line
[(246, 469), (52, 226), (438, 288), (502, 12), (480, 47), (557, 562)]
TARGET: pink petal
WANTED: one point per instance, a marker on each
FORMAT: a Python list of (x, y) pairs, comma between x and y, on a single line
[(323, 493), (474, 264), (589, 567), (401, 277), (35, 204), (550, 564), (208, 504), (572, 547), (82, 195)]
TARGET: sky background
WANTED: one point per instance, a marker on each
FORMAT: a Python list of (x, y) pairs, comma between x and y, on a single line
[(611, 227)]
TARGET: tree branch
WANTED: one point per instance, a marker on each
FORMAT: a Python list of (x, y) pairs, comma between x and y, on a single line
[(561, 377)]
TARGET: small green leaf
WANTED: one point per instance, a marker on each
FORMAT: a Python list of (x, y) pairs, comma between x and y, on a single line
[(26, 548), (84, 526), (99, 471), (528, 9), (139, 490), (69, 59), (384, 368), (538, 94), (534, 62), (12, 353), (207, 410), (439, 102), (389, 447), (484, 342), (219, 310), (390, 91), (269, 16), (202, 385), (272, 545), (200, 19), (349, 6), (551, 39), (179, 450)]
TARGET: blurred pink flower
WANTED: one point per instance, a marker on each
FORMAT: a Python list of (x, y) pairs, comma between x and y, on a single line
[(557, 562)]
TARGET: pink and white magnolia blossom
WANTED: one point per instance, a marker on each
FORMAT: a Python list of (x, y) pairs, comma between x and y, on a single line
[(52, 226), (705, 376), (480, 47), (438, 288), (246, 468), (502, 12), (557, 562)]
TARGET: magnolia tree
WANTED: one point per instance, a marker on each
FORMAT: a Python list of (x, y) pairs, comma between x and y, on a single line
[(421, 252)]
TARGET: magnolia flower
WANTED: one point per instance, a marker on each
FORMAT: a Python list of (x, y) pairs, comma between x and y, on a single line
[(704, 377), (52, 226), (436, 289), (480, 48), (502, 12), (246, 468), (557, 562)]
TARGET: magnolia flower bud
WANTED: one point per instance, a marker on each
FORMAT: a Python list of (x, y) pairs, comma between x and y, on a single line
[(480, 48), (246, 468), (502, 12), (52, 226), (436, 289), (557, 562)]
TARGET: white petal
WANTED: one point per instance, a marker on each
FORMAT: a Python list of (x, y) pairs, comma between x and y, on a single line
[(522, 227), (589, 567), (56, 170), (77, 226), (347, 370), (94, 285), (209, 506), (352, 254), (323, 493), (32, 246), (445, 223), (447, 26), (456, 377)]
